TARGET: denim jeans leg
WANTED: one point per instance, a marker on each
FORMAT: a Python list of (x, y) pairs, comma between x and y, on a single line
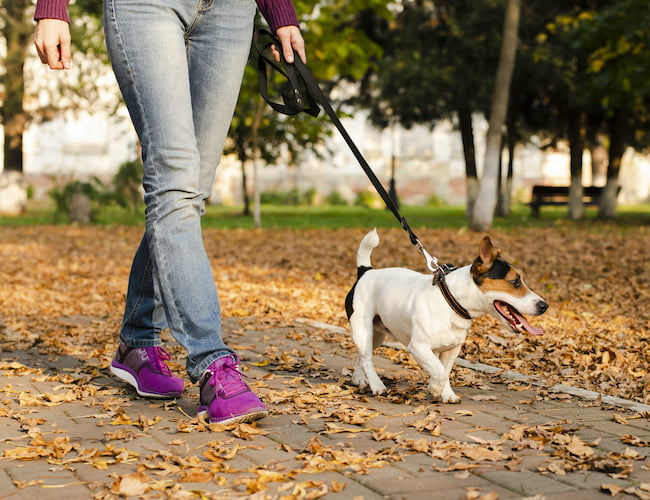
[(143, 318), (162, 53)]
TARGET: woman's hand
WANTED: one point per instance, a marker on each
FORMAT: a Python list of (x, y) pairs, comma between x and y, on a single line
[(291, 39), (52, 40)]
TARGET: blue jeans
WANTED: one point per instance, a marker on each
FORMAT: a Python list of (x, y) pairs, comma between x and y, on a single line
[(179, 65)]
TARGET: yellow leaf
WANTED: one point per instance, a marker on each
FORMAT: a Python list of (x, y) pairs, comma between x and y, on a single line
[(134, 484), (337, 487), (484, 454), (247, 431), (578, 448), (333, 428)]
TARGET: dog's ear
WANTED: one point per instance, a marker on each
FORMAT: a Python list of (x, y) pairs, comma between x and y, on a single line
[(487, 254)]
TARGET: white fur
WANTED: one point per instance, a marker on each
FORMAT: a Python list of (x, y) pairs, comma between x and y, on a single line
[(416, 314)]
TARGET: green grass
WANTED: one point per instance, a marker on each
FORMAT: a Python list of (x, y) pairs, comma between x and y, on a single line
[(330, 217)]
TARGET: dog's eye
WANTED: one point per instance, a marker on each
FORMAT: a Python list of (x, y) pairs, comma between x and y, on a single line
[(516, 283)]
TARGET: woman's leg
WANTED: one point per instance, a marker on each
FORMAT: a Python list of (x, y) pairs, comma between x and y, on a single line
[(151, 44)]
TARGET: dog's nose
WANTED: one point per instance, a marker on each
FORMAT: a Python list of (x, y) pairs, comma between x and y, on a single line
[(542, 307)]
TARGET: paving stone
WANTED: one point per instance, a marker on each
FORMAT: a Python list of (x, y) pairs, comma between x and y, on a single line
[(527, 483), (40, 470), (6, 483), (394, 481), (581, 495), (55, 491), (592, 480), (457, 493)]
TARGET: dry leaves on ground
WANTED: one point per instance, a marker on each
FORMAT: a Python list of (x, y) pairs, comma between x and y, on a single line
[(62, 288)]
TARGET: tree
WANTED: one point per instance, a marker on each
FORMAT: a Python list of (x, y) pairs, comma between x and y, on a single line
[(619, 68), (16, 27), (337, 51), (16, 32), (594, 61), (436, 65), (483, 212)]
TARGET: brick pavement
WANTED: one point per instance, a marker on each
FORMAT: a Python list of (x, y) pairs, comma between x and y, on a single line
[(85, 436)]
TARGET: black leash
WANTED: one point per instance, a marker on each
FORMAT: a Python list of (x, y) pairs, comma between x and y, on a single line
[(300, 93)]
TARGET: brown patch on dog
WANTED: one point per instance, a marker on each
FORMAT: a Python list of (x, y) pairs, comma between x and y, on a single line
[(487, 254), (512, 285)]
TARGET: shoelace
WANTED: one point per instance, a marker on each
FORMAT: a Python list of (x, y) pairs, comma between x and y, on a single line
[(228, 378), (161, 357)]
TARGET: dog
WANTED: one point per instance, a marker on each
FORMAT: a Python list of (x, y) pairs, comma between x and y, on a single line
[(413, 308)]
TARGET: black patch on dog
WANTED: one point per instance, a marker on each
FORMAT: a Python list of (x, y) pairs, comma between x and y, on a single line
[(498, 271), (361, 270)]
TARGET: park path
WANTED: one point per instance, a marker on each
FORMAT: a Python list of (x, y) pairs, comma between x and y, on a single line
[(80, 437)]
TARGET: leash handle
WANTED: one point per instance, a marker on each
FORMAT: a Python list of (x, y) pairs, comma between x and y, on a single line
[(304, 94), (294, 95)]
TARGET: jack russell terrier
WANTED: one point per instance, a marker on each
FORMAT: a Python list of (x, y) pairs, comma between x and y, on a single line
[(432, 316)]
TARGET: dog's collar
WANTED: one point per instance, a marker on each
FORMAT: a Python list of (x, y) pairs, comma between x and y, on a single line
[(439, 279)]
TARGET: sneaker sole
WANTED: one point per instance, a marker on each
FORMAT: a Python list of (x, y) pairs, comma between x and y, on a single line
[(126, 376), (238, 419)]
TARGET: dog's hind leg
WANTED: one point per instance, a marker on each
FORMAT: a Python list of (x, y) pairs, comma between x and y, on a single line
[(364, 370), (379, 332)]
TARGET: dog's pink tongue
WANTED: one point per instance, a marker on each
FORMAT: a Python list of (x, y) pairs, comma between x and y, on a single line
[(533, 330)]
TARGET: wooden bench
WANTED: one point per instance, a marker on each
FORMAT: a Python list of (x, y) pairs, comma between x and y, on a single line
[(559, 195)]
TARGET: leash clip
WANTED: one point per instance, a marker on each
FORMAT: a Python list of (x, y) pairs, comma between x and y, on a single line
[(432, 262)]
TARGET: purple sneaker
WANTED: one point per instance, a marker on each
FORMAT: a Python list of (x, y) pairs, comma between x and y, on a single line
[(145, 368), (225, 398)]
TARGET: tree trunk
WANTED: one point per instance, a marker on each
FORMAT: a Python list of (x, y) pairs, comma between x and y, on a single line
[(617, 132), (577, 135), (505, 197), (16, 33), (467, 136), (257, 209), (483, 213), (244, 180), (598, 153)]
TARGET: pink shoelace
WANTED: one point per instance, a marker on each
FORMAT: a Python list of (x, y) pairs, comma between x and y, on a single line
[(161, 357), (228, 379)]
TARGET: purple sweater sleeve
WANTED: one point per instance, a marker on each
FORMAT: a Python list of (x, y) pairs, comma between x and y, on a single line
[(52, 9), (278, 13)]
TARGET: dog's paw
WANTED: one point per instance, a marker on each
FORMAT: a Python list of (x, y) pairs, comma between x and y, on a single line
[(451, 399), (377, 389), (449, 396), (446, 395), (359, 379)]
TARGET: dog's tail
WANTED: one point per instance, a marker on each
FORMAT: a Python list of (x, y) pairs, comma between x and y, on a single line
[(369, 241)]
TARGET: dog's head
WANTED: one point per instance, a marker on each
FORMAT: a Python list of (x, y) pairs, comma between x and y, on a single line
[(508, 297)]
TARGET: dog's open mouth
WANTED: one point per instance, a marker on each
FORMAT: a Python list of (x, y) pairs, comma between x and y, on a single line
[(515, 319)]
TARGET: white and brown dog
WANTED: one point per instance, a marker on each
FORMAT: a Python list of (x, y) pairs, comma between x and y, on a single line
[(432, 317)]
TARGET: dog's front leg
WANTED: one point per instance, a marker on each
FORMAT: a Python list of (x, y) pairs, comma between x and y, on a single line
[(447, 359), (439, 386)]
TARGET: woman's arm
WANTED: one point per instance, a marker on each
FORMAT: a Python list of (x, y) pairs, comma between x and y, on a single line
[(282, 19), (52, 34)]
